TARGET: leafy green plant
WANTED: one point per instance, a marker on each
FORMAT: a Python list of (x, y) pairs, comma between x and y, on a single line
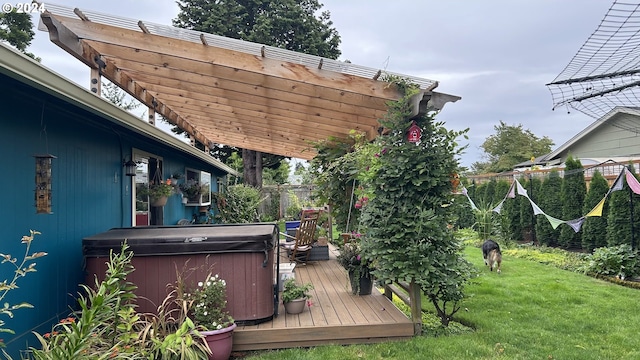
[(108, 327), (342, 172), (208, 302), (405, 221), (574, 190), (239, 204), (293, 291), (156, 191), (619, 261), (20, 269), (594, 229), (351, 259)]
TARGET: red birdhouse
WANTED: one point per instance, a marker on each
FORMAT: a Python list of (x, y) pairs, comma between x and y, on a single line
[(414, 133)]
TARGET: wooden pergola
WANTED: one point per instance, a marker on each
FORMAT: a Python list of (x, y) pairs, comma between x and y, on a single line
[(231, 92)]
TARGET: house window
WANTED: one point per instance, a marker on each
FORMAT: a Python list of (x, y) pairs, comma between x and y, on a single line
[(197, 187)]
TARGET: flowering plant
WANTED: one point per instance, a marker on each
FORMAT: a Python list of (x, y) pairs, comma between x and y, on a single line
[(351, 259), (208, 303), (156, 191)]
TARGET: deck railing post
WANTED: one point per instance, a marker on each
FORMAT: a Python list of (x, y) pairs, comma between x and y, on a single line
[(416, 307), (387, 292)]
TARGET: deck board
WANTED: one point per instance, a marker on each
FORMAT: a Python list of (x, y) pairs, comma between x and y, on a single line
[(335, 316)]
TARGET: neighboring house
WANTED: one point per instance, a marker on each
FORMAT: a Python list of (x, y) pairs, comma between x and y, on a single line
[(607, 145), (46, 119), (615, 136)]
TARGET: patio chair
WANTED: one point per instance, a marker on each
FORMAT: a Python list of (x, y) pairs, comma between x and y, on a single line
[(299, 249)]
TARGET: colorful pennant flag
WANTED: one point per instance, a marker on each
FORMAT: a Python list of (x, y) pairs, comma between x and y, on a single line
[(632, 181), (597, 210)]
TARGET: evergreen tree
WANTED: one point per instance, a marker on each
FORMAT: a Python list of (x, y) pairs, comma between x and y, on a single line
[(501, 189), (527, 220), (619, 220), (511, 212), (296, 25), (550, 202), (574, 189), (594, 229), (17, 29)]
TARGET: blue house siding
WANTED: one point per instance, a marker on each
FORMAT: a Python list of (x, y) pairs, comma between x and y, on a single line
[(90, 194)]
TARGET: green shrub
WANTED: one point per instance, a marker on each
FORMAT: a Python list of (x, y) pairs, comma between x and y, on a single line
[(574, 191), (618, 260), (239, 204), (594, 229)]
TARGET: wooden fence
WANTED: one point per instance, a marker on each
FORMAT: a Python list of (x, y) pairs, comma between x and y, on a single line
[(278, 198)]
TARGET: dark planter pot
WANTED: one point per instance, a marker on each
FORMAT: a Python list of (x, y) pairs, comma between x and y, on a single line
[(361, 285)]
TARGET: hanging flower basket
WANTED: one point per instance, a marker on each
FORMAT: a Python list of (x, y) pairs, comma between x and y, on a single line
[(159, 202)]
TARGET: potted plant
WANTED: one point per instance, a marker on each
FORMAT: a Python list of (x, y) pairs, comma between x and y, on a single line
[(207, 306), (359, 269), (158, 192), (191, 189), (294, 296), (175, 177)]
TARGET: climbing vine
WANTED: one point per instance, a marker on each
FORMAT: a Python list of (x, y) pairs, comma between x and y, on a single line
[(406, 219)]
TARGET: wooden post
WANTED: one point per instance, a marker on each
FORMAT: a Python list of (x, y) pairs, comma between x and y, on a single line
[(95, 82), (152, 116), (387, 292), (416, 308)]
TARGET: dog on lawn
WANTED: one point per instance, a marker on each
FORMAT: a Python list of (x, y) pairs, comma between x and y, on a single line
[(492, 255)]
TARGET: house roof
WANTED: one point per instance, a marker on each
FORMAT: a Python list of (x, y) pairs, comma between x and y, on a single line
[(591, 128), (227, 91), (24, 69)]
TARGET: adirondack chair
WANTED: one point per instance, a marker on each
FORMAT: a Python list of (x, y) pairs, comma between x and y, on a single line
[(299, 249)]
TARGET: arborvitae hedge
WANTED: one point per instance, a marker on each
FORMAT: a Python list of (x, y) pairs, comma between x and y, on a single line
[(619, 220), (526, 212), (550, 202), (574, 190), (502, 187), (594, 229)]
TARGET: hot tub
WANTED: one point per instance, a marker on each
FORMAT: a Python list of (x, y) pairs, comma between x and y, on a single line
[(241, 254)]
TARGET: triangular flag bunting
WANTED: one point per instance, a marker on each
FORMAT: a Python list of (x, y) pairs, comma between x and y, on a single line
[(512, 191), (553, 221), (498, 207), (632, 181), (618, 184), (536, 208), (597, 210), (521, 190), (576, 224)]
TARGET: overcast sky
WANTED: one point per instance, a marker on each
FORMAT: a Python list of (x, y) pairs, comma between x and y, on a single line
[(496, 54)]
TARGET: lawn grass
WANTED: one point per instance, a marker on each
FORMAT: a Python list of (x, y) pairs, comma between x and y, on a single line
[(530, 311)]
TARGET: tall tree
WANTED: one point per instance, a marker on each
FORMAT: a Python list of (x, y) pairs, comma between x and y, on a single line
[(574, 189), (17, 30), (619, 220), (549, 199), (594, 229), (510, 145), (288, 24)]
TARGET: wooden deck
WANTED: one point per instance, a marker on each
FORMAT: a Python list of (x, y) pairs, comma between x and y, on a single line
[(335, 316)]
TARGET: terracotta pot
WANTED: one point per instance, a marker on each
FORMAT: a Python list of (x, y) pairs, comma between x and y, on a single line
[(295, 306), (220, 342)]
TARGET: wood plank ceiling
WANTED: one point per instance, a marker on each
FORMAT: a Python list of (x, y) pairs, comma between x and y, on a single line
[(223, 96)]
